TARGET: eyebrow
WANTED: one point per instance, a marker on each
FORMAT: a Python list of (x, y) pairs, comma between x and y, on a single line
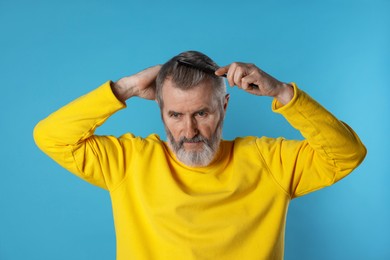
[(173, 112), (203, 109)]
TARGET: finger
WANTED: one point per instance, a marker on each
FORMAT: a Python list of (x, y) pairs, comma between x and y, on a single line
[(150, 72), (239, 74), (222, 70), (249, 81), (154, 70), (230, 74), (245, 84)]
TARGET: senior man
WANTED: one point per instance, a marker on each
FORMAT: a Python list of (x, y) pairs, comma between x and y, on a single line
[(196, 196)]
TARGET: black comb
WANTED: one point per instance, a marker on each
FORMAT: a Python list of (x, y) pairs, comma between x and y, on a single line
[(205, 67)]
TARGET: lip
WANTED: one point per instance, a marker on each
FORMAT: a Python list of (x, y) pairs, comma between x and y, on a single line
[(191, 145)]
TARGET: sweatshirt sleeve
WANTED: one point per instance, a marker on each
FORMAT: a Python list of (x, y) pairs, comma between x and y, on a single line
[(67, 136), (331, 149)]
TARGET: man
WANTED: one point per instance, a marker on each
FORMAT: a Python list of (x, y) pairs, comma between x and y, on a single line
[(197, 196)]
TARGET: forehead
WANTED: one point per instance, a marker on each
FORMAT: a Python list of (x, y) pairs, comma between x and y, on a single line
[(194, 98)]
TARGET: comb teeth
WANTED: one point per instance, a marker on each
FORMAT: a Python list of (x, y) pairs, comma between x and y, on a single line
[(205, 67)]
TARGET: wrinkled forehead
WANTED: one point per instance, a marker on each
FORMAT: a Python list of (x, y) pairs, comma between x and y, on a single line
[(188, 83), (200, 95)]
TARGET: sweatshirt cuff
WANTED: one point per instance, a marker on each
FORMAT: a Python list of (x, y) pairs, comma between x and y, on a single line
[(105, 91), (278, 107)]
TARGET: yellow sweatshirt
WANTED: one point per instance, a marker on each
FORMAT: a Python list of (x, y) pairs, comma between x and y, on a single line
[(234, 208)]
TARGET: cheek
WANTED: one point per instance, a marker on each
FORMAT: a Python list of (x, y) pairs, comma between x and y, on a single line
[(173, 128), (208, 128)]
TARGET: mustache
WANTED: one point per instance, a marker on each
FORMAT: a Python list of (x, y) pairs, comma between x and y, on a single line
[(196, 139)]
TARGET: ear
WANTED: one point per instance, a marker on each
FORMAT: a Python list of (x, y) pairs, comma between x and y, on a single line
[(225, 103)]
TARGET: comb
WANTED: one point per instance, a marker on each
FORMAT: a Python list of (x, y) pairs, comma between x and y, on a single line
[(205, 67)]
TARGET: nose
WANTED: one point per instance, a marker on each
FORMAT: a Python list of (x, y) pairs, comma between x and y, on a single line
[(190, 128)]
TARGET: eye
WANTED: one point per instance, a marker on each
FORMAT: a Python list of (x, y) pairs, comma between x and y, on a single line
[(174, 115), (201, 114)]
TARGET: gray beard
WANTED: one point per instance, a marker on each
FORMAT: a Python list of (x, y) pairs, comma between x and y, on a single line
[(196, 158)]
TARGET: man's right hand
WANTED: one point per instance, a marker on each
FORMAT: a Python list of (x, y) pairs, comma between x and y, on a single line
[(142, 84)]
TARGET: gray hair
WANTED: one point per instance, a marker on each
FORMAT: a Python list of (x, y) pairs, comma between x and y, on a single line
[(188, 77)]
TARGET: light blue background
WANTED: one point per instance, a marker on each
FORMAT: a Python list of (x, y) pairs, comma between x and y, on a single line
[(54, 51)]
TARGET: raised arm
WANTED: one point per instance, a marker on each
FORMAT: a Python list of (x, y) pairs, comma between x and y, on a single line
[(67, 135), (331, 149)]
